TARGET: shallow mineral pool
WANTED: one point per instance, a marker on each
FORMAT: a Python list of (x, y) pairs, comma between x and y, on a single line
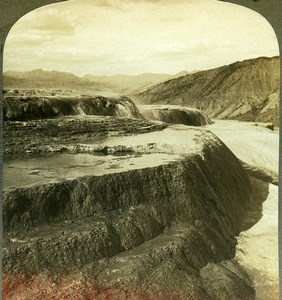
[(63, 166)]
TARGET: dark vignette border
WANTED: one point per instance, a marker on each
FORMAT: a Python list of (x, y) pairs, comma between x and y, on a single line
[(12, 10)]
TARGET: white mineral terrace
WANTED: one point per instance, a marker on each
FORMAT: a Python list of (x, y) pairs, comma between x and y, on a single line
[(257, 247)]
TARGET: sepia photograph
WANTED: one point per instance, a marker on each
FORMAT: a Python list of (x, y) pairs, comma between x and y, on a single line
[(140, 152)]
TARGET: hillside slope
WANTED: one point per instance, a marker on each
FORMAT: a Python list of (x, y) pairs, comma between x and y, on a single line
[(247, 90)]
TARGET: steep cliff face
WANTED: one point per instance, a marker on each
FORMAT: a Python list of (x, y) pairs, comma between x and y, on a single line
[(243, 90), (188, 212), (175, 115), (19, 108)]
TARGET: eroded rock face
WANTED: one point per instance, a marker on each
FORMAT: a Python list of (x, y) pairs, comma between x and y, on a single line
[(175, 115), (156, 230), (223, 279), (22, 108)]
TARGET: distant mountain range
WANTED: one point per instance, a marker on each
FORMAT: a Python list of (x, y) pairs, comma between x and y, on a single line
[(246, 90), (127, 84), (116, 84), (40, 79)]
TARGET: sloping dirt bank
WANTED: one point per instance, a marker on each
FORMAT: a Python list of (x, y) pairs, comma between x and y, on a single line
[(165, 230)]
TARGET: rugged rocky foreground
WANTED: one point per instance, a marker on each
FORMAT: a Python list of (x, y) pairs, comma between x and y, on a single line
[(247, 90), (166, 231)]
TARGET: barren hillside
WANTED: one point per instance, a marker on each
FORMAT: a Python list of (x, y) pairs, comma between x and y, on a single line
[(247, 90)]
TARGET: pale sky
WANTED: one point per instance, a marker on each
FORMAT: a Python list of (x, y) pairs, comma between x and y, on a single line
[(137, 36)]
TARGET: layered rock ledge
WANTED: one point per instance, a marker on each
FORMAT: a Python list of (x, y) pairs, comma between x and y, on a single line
[(175, 114), (149, 232), (52, 135), (37, 107)]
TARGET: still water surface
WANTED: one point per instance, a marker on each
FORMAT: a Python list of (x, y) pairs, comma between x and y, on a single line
[(63, 166)]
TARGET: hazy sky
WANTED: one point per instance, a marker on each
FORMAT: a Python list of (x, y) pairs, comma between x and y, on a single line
[(137, 36)]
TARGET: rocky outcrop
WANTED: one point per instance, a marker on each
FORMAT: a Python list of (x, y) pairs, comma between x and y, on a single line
[(159, 230), (34, 107), (175, 115), (246, 90)]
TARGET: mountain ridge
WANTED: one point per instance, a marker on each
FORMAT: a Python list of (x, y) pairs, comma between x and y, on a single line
[(118, 84)]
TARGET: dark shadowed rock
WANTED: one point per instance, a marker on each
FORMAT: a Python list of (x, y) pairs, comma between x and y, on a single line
[(227, 280)]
